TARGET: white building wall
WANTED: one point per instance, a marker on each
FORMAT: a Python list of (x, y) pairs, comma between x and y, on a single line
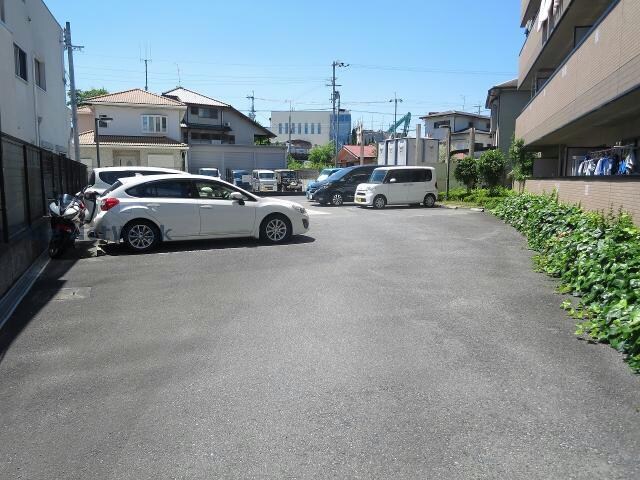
[(28, 112), (457, 122), (302, 117), (127, 120)]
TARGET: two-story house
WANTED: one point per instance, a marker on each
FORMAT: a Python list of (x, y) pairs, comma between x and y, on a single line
[(137, 128), (222, 137)]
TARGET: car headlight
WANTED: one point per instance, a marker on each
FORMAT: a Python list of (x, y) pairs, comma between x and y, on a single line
[(300, 210)]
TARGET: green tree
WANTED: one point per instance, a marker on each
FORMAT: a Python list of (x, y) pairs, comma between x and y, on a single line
[(322, 155), (521, 160), (83, 95), (467, 172), (491, 166)]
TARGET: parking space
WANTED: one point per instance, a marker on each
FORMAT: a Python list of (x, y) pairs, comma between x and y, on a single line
[(395, 343)]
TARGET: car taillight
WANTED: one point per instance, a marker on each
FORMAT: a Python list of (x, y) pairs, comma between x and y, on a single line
[(108, 203)]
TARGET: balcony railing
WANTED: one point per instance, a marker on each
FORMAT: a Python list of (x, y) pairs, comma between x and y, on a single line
[(602, 68), (537, 39)]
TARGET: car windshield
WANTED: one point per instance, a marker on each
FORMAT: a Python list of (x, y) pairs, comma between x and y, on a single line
[(288, 174), (377, 176), (339, 174), (266, 176), (325, 174)]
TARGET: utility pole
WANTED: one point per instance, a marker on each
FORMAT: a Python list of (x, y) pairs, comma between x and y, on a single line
[(334, 93), (395, 101), (146, 72), (252, 112), (479, 107), (69, 47), (290, 126)]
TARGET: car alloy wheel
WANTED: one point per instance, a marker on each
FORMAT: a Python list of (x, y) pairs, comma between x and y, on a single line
[(141, 236), (276, 230), (429, 200), (336, 199), (379, 202)]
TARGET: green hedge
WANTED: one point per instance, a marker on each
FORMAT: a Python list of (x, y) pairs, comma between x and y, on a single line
[(482, 197), (596, 258)]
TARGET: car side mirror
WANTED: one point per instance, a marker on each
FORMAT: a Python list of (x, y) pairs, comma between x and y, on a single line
[(237, 197), (393, 180)]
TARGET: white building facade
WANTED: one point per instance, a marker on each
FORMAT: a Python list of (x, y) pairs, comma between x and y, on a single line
[(315, 127), (457, 121), (32, 85)]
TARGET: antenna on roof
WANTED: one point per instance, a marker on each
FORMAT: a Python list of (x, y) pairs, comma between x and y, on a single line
[(179, 79)]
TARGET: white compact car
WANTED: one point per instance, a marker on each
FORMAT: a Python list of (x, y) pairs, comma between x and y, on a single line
[(395, 185), (102, 178), (210, 172), (263, 181), (144, 211)]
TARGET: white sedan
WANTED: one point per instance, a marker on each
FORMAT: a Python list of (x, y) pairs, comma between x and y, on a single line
[(144, 211)]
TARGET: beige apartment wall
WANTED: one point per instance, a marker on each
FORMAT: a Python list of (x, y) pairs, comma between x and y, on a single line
[(605, 66), (596, 195)]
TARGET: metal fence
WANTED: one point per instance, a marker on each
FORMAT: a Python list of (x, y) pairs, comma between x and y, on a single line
[(30, 178)]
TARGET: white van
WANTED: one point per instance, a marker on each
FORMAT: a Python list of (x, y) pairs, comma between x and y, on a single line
[(263, 181), (210, 172), (398, 186)]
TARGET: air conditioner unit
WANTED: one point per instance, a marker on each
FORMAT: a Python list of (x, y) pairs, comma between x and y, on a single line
[(227, 124)]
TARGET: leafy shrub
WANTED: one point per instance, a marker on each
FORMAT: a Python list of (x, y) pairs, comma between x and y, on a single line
[(479, 196), (491, 166), (521, 160), (467, 172), (596, 258)]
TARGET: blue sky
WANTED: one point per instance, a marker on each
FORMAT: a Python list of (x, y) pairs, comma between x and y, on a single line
[(436, 55)]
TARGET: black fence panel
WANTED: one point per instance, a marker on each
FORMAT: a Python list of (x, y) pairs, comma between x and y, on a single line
[(31, 179)]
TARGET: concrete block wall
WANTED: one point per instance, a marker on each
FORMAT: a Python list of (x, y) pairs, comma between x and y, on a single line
[(598, 195)]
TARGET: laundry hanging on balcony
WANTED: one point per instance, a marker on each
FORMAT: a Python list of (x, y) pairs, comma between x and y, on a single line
[(548, 8)]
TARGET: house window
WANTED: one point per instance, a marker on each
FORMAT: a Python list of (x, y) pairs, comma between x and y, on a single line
[(208, 113), (318, 129), (313, 129), (299, 128), (286, 128), (280, 128), (20, 58), (293, 128), (195, 111), (442, 123), (102, 123), (488, 126), (306, 128), (154, 124), (41, 79)]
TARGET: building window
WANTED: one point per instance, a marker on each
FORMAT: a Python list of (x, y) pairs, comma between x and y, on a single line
[(154, 124), (442, 123), (488, 126), (39, 73), (306, 128), (299, 128), (286, 128), (195, 111), (20, 58), (313, 129), (280, 128), (318, 129), (293, 128), (208, 113), (102, 123)]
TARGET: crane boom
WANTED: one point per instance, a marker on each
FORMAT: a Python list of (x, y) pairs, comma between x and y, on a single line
[(406, 120)]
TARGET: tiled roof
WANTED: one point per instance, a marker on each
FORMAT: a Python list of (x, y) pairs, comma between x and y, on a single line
[(87, 138), (454, 112), (190, 97), (369, 150), (84, 110), (134, 97)]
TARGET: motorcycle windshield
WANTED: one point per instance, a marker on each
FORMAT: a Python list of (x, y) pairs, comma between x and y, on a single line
[(65, 201)]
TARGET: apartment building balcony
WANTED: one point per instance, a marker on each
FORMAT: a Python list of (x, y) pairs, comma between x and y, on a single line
[(593, 96), (546, 48)]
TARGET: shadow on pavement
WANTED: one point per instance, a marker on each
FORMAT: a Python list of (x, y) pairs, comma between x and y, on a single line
[(116, 250), (45, 288)]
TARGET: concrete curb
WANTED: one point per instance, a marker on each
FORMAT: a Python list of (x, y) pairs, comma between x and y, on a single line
[(10, 301)]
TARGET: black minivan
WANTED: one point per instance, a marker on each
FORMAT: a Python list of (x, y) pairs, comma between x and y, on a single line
[(341, 186)]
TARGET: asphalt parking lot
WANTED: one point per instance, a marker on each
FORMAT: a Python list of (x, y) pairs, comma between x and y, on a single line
[(403, 343)]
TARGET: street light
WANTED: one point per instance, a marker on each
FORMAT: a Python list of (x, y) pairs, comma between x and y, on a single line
[(448, 127), (97, 136)]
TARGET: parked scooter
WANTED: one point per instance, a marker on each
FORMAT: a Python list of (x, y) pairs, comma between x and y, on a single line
[(67, 217)]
